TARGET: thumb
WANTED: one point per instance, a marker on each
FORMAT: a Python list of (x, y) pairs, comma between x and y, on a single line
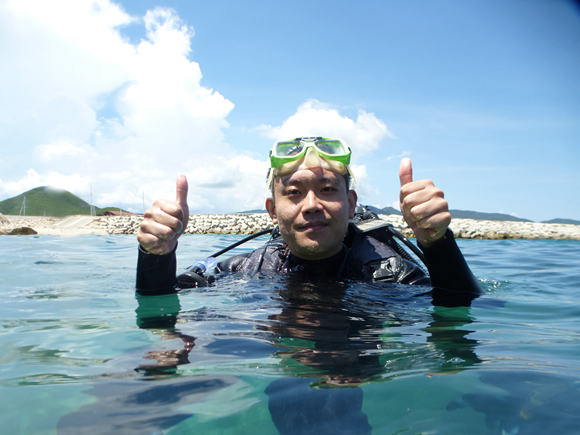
[(181, 190), (405, 172)]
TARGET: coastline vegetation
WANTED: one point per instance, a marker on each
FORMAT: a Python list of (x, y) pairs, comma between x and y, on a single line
[(52, 202), (49, 201)]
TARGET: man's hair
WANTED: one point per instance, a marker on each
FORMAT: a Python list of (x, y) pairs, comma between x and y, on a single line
[(347, 180)]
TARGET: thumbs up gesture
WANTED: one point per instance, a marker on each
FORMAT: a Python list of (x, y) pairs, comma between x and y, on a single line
[(165, 221), (423, 206)]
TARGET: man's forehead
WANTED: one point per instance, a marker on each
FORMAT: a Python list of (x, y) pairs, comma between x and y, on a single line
[(307, 175)]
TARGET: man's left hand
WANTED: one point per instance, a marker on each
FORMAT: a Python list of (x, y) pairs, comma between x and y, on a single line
[(423, 206)]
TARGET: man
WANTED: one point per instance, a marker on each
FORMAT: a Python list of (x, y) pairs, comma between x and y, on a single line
[(311, 204)]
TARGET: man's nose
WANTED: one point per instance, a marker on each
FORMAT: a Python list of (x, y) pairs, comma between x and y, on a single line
[(311, 203)]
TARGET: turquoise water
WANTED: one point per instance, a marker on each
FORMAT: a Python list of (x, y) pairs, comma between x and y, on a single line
[(80, 353)]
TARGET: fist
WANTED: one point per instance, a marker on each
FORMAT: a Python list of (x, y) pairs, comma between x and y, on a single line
[(423, 206), (165, 221)]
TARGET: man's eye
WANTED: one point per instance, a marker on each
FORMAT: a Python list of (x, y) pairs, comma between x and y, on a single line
[(292, 192)]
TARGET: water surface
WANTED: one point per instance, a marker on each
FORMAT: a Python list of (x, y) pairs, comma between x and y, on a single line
[(81, 353)]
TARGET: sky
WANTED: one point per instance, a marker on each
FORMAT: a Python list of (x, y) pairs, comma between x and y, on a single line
[(111, 100)]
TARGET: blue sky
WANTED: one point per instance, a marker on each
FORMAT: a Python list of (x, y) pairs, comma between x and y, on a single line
[(483, 96)]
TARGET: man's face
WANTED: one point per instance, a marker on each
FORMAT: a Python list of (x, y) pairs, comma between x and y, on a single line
[(312, 208)]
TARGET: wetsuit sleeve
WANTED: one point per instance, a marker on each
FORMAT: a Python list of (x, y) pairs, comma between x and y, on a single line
[(447, 267), (155, 273)]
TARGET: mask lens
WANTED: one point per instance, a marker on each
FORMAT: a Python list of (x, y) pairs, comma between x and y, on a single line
[(332, 147), (287, 149)]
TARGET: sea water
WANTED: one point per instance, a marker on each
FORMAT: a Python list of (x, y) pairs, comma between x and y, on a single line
[(81, 353)]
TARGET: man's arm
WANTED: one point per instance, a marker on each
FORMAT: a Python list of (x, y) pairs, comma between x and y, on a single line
[(447, 266), (427, 213), (155, 273), (160, 229)]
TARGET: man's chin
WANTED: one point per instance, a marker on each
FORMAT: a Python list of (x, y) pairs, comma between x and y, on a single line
[(313, 250)]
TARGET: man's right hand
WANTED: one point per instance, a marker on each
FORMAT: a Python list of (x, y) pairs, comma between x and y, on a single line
[(165, 222)]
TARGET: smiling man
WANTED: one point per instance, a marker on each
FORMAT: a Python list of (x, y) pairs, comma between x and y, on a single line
[(313, 207)]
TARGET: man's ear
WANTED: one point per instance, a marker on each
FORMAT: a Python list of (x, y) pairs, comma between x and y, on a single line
[(352, 199), (271, 207)]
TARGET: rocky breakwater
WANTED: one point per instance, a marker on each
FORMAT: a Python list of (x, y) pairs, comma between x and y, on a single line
[(25, 225), (476, 229), (492, 230), (251, 223), (242, 223)]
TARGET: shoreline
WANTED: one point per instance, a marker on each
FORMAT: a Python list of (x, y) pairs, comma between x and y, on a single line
[(250, 223)]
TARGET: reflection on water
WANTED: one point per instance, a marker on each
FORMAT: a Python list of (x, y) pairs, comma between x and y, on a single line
[(326, 339), (259, 355), (139, 407), (526, 403)]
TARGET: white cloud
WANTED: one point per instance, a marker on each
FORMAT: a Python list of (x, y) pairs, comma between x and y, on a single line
[(511, 214), (63, 61), (56, 55), (31, 180), (49, 152), (239, 181), (314, 118), (75, 183), (83, 108), (363, 185), (399, 156)]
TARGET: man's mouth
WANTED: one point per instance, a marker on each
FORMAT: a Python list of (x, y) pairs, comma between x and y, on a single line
[(314, 226)]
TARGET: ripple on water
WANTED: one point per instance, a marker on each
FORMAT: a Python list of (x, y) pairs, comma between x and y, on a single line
[(76, 342)]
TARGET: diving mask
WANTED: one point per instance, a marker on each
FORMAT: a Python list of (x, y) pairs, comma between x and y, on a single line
[(290, 156), (285, 152)]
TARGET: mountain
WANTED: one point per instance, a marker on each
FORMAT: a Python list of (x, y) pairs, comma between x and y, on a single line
[(562, 221), (48, 201), (384, 210), (461, 214), (253, 211), (466, 214), (458, 214)]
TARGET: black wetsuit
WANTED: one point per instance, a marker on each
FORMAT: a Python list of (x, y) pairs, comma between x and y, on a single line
[(370, 256)]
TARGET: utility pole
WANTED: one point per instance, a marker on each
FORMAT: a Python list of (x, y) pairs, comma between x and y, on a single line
[(23, 208)]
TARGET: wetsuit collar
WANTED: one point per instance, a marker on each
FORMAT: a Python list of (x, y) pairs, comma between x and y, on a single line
[(331, 266)]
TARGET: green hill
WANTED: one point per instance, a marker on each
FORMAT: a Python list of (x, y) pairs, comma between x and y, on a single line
[(562, 221), (459, 214), (48, 201), (384, 210), (466, 214)]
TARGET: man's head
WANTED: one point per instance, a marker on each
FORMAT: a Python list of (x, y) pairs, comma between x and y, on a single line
[(311, 202)]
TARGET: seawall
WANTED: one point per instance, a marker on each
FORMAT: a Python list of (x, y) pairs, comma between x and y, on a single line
[(250, 223)]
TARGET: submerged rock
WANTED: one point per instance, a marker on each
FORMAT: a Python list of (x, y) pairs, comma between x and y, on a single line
[(22, 231)]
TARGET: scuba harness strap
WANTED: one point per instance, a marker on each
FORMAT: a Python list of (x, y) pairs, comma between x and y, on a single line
[(366, 224)]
